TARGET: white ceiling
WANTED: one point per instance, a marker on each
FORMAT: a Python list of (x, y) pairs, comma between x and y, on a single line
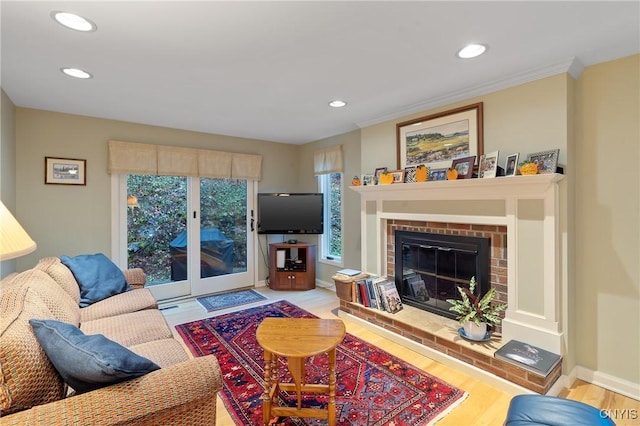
[(267, 70)]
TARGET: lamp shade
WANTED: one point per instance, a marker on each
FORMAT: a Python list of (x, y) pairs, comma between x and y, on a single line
[(14, 240)]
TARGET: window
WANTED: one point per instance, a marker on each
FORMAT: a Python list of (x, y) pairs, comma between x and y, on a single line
[(331, 242)]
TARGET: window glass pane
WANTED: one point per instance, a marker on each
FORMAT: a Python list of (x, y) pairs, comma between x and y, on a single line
[(223, 226), (156, 227), (331, 186)]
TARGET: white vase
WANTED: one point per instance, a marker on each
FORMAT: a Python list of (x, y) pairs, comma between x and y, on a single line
[(475, 332)]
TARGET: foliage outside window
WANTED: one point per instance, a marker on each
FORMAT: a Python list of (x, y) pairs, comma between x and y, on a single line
[(331, 187), (161, 215)]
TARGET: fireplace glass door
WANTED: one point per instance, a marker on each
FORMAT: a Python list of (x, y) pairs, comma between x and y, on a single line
[(430, 270)]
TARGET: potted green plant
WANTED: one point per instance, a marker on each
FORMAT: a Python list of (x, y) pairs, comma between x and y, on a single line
[(474, 312)]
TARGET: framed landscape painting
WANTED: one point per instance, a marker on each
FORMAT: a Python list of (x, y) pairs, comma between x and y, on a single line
[(438, 139)]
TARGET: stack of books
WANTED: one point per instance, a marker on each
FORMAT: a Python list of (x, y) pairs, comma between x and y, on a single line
[(378, 293)]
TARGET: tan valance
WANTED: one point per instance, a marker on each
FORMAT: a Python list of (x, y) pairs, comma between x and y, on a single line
[(328, 160), (140, 158), (246, 165), (134, 158), (215, 164), (175, 161)]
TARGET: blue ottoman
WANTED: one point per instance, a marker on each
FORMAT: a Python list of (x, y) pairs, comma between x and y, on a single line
[(529, 410)]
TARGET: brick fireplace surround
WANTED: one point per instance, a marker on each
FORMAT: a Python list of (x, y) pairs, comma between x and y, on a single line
[(497, 257), (410, 207)]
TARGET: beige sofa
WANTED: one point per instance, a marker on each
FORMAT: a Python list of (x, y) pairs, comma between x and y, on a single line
[(182, 392)]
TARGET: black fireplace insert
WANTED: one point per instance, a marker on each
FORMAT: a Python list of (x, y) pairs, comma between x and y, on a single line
[(429, 267)]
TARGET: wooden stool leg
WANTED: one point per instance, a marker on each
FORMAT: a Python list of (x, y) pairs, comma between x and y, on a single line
[(296, 368), (331, 407), (266, 397)]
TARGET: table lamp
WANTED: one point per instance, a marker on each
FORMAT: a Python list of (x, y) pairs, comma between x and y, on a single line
[(14, 240)]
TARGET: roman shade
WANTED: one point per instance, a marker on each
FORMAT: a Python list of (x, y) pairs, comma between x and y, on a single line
[(134, 158), (214, 164), (174, 161), (150, 159), (328, 160)]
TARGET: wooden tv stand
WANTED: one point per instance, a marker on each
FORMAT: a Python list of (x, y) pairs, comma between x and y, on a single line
[(299, 269)]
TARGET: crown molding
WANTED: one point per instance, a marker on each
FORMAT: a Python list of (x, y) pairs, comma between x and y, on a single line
[(572, 66)]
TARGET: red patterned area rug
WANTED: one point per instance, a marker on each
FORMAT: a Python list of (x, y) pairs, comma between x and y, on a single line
[(373, 386)]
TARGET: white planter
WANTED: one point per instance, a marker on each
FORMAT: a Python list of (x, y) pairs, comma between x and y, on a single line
[(475, 332)]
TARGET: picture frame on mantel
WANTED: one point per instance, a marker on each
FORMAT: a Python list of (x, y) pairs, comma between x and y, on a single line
[(65, 171), (547, 161), (511, 165), (377, 173), (464, 166), (490, 165), (437, 139)]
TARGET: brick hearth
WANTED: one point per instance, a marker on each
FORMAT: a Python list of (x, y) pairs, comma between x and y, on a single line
[(441, 334)]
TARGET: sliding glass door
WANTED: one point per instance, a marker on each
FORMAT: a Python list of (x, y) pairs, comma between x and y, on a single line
[(192, 236), (223, 260)]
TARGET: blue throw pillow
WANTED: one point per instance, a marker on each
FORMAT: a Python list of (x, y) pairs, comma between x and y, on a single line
[(88, 362), (97, 276)]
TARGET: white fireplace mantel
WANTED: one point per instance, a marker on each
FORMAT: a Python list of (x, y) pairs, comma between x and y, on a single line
[(533, 209), (502, 188)]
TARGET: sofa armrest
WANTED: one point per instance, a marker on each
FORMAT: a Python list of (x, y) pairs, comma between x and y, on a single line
[(183, 393), (135, 277)]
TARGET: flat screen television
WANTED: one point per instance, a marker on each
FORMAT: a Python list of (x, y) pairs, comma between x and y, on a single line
[(290, 213)]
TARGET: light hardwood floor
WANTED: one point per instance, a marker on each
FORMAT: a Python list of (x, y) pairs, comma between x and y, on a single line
[(485, 405)]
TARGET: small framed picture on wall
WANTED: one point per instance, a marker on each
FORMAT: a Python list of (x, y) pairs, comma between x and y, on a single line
[(65, 171)]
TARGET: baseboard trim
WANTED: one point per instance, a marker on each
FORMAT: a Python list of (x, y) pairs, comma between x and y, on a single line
[(324, 284), (607, 381)]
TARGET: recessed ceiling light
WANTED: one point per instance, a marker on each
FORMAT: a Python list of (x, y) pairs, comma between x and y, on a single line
[(337, 104), (471, 51), (75, 72), (73, 21)]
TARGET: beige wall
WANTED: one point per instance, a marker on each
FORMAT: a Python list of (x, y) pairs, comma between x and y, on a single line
[(528, 118), (7, 166), (607, 285), (77, 219)]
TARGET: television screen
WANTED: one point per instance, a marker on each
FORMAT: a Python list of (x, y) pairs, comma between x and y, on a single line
[(284, 213)]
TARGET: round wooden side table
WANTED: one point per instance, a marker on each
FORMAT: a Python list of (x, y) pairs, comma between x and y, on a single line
[(296, 339)]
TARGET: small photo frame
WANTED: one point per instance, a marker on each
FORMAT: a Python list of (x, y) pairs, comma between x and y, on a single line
[(464, 166), (490, 165), (547, 161), (65, 171), (367, 180), (378, 172), (410, 174), (511, 165), (481, 166), (438, 174), (398, 176)]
